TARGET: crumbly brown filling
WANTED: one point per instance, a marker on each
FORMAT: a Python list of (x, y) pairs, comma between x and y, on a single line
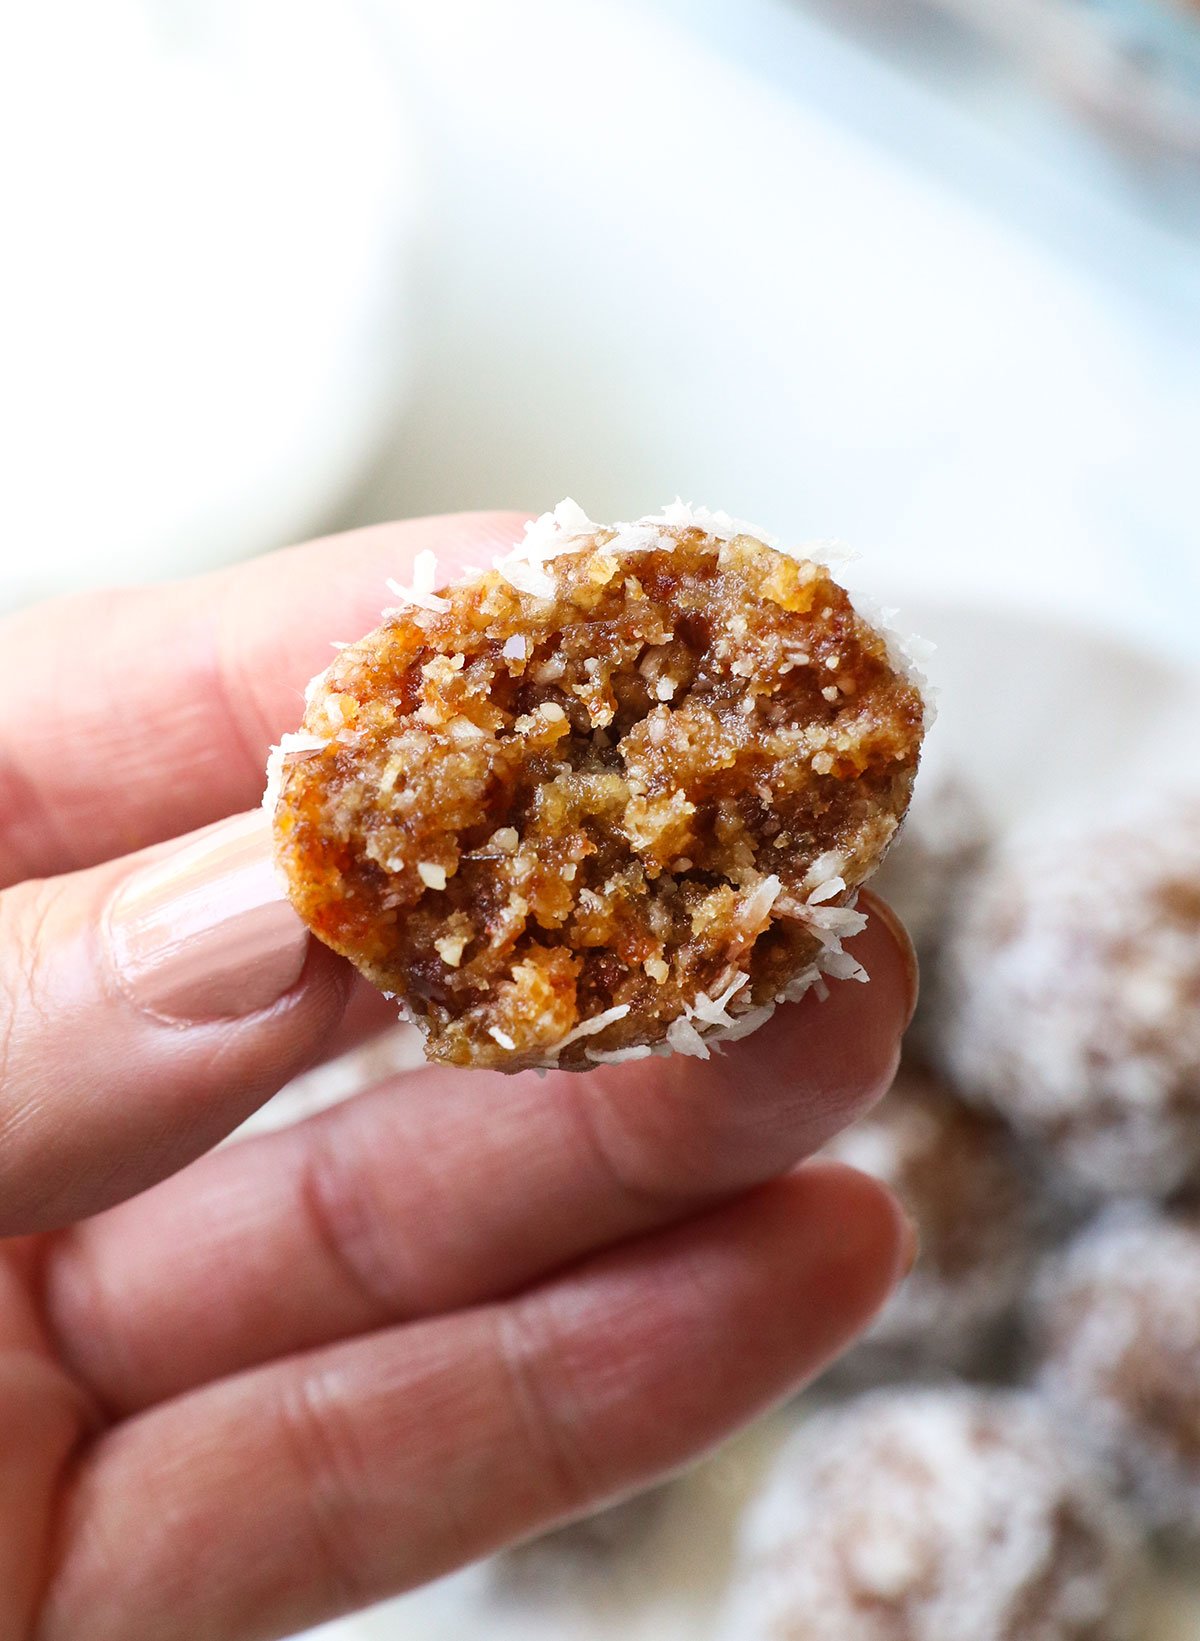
[(534, 811)]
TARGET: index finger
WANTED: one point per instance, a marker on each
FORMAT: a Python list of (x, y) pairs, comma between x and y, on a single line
[(131, 716)]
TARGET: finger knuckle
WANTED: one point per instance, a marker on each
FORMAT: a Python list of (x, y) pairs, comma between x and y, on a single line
[(539, 1393), (349, 1223), (329, 1478)]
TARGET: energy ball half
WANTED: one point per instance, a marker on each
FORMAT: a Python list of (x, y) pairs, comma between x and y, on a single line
[(611, 797)]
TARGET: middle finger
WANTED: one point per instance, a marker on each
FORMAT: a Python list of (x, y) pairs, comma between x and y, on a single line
[(415, 1199)]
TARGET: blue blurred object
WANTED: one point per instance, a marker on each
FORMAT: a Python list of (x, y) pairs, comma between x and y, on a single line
[(1132, 66)]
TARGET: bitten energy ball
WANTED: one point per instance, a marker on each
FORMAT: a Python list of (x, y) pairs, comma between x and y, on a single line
[(612, 796), (1118, 1324), (934, 1515), (959, 1175), (1070, 996)]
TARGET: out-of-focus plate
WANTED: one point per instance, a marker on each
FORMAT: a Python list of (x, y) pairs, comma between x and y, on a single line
[(1035, 714)]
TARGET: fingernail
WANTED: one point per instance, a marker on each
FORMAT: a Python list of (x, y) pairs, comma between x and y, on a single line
[(877, 908), (205, 932)]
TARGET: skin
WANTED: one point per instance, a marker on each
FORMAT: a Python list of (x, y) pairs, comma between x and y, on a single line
[(245, 1390)]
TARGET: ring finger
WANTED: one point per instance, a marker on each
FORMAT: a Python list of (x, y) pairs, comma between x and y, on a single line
[(439, 1192)]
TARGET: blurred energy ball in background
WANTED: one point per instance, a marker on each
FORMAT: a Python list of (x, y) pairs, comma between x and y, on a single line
[(207, 207)]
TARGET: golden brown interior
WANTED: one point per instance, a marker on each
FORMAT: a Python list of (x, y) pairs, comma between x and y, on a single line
[(534, 810)]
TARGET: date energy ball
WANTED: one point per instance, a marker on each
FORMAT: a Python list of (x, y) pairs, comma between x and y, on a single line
[(612, 796), (933, 865), (941, 1514), (960, 1175), (1117, 1321), (1069, 996), (940, 850)]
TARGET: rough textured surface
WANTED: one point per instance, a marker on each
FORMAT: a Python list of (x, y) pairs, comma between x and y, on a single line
[(1069, 996), (1118, 1324), (936, 1515), (612, 795), (965, 1184)]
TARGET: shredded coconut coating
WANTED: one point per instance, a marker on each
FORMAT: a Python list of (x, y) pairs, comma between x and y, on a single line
[(612, 797), (1118, 1326), (1069, 996), (964, 1182), (934, 1515)]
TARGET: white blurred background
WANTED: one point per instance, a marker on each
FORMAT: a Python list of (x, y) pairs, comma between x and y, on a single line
[(280, 266)]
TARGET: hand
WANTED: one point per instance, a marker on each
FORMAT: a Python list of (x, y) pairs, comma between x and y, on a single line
[(317, 1367)]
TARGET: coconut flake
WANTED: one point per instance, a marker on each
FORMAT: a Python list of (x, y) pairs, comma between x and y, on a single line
[(829, 865), (563, 526), (828, 890), (809, 979), (683, 1038), (714, 1011), (589, 1028), (830, 555), (425, 577), (837, 922), (742, 1025), (290, 745), (566, 529), (637, 537), (841, 966), (683, 515), (526, 577), (756, 908), (618, 1056), (501, 1037)]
